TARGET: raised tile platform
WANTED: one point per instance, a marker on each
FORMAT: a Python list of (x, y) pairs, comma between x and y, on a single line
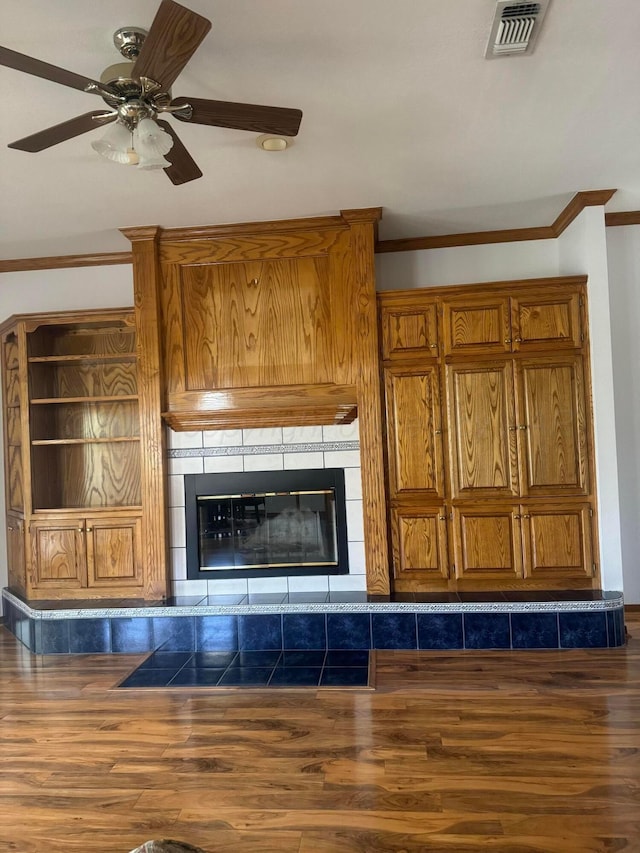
[(340, 621)]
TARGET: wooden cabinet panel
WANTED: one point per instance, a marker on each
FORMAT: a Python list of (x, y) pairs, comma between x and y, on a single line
[(410, 330), (414, 431), (476, 325), (553, 430), (544, 320), (15, 484), (487, 543), (16, 555), (113, 551), (482, 439), (256, 324), (557, 542), (419, 538), (58, 553)]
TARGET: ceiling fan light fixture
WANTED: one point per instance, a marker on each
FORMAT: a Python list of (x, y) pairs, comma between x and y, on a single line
[(116, 145), (151, 143)]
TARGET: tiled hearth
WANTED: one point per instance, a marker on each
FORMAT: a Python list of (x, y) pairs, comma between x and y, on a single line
[(320, 622)]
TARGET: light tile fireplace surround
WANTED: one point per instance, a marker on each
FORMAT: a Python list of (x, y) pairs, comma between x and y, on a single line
[(272, 449)]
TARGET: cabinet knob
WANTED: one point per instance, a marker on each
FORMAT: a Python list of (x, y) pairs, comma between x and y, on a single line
[(516, 516), (442, 517), (9, 527), (518, 340), (81, 530), (89, 529), (507, 340), (438, 432), (433, 346), (522, 426)]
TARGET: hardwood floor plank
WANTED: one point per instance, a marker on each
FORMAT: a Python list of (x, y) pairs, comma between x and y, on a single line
[(518, 752)]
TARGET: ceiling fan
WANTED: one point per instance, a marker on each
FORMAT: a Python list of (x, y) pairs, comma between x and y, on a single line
[(139, 90)]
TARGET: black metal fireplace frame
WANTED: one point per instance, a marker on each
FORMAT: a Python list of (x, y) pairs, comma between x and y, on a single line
[(249, 482)]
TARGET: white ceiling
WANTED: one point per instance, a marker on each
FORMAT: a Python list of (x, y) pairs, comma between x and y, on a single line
[(401, 110)]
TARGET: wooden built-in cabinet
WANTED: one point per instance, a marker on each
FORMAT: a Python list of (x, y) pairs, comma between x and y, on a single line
[(73, 449), (488, 435)]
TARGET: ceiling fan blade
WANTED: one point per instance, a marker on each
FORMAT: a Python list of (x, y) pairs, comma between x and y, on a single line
[(61, 132), (21, 62), (175, 34), (279, 120), (183, 167)]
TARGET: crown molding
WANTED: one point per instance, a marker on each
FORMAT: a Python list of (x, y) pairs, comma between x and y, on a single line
[(577, 204), (622, 217), (65, 262), (587, 198)]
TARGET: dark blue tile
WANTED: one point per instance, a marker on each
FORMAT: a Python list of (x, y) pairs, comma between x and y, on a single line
[(440, 631), (174, 633), (21, 628), (149, 678), (194, 677), (249, 659), (166, 660), (348, 631), (583, 629), (55, 637), (486, 631), (304, 631), (615, 627), (260, 632), (254, 676), (308, 658), (211, 660), (349, 658), (295, 676), (131, 634), (216, 633), (37, 636), (89, 636), (534, 631), (393, 630), (185, 600), (340, 676)]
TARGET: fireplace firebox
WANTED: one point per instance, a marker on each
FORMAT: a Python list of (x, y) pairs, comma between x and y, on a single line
[(266, 524)]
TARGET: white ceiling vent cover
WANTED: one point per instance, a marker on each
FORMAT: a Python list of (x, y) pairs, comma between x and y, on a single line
[(515, 28)]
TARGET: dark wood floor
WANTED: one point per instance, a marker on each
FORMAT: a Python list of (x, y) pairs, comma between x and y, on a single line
[(465, 751)]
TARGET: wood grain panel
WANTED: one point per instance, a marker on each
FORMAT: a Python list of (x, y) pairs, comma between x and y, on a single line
[(541, 321), (114, 551), (11, 360), (85, 420), (414, 431), (153, 486), (89, 338), (557, 541), (419, 545), (409, 330), (249, 245), (59, 553), (487, 542), (16, 554), (12, 385), (481, 430), (13, 427), (88, 475), (476, 325), (555, 436), (48, 380), (15, 479), (258, 324)]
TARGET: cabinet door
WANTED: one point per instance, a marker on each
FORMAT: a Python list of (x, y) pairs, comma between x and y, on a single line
[(482, 436), (419, 540), (409, 329), (557, 543), (114, 556), (16, 553), (543, 320), (487, 543), (59, 559), (414, 432), (474, 325), (552, 427)]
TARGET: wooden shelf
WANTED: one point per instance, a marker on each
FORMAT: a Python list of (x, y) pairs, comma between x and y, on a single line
[(110, 440), (52, 401), (104, 358)]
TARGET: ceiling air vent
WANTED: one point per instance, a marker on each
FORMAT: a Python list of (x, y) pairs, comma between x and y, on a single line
[(515, 28)]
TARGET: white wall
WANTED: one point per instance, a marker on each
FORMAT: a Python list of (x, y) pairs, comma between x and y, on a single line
[(60, 290), (582, 248), (623, 252)]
